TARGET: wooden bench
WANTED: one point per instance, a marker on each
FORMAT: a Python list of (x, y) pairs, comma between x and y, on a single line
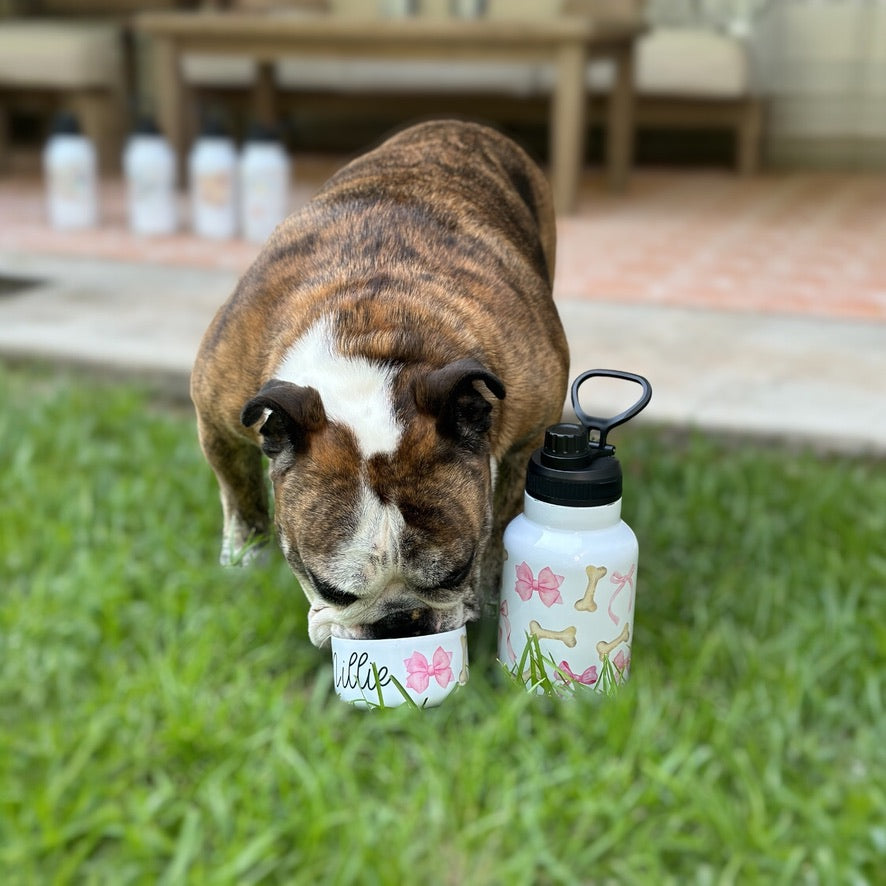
[(563, 42), (687, 76), (57, 63)]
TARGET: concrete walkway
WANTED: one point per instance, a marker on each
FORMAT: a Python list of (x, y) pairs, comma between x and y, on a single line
[(816, 381)]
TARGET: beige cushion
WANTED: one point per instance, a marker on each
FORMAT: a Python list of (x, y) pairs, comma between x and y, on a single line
[(277, 5), (350, 75), (60, 54), (432, 76), (690, 62), (495, 9), (97, 7), (218, 70)]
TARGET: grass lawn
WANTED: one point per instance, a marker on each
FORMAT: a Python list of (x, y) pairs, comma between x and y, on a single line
[(163, 720)]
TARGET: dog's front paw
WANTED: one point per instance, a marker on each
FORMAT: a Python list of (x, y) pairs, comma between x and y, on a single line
[(237, 552)]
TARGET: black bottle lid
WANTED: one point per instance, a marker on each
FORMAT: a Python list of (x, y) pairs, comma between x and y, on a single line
[(573, 470), (214, 126), (65, 123), (145, 125), (261, 132), (569, 470)]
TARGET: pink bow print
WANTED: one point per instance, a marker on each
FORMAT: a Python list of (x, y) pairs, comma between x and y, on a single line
[(621, 580), (588, 677), (622, 662), (420, 671), (547, 585)]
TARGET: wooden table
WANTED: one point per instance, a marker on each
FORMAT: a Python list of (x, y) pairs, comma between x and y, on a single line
[(566, 41)]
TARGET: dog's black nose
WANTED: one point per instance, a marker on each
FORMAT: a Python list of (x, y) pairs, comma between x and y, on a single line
[(403, 623)]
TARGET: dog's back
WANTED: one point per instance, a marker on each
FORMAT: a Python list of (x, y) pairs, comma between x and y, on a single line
[(435, 245), (396, 352), (452, 176)]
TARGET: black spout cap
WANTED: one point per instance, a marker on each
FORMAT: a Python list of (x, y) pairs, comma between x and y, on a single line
[(566, 447), (568, 470), (574, 470)]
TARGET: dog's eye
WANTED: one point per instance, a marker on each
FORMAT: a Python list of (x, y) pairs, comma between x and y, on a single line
[(330, 593), (456, 576)]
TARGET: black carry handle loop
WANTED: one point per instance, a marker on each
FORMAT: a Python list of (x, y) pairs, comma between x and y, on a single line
[(605, 425)]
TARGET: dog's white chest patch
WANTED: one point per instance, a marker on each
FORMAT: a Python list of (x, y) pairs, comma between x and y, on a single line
[(355, 392)]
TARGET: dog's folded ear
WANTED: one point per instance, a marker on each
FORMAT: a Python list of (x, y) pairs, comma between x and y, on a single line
[(295, 413), (449, 393)]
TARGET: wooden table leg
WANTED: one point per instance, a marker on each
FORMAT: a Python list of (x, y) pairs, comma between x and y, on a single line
[(265, 95), (4, 140), (620, 123), (747, 133), (169, 99), (567, 126)]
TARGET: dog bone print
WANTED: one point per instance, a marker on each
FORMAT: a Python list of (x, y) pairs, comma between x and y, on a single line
[(567, 635), (587, 604), (606, 648)]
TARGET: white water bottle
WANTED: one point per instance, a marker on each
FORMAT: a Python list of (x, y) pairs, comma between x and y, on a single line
[(264, 184), (212, 170), (71, 172), (570, 573), (149, 169)]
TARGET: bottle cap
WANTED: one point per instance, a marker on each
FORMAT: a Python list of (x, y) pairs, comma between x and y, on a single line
[(569, 471), (261, 132), (573, 470), (146, 125), (566, 446), (65, 123), (214, 127)]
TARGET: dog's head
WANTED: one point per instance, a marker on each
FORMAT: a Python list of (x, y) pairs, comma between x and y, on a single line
[(384, 520)]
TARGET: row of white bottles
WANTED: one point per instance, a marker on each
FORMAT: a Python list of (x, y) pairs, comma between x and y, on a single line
[(248, 194), (71, 170), (150, 174), (264, 184)]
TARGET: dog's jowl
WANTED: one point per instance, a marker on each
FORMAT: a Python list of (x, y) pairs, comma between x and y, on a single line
[(395, 353)]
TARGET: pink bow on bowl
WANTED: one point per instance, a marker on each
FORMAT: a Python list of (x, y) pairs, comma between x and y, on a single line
[(420, 671)]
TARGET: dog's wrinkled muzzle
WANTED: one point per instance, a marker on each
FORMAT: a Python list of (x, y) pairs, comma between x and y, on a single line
[(326, 621)]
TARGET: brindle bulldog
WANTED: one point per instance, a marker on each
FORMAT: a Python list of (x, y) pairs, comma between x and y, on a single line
[(396, 354)]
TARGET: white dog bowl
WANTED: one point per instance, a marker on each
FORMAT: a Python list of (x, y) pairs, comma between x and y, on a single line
[(426, 668)]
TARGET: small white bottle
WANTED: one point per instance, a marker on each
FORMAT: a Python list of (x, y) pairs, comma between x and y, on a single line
[(569, 578), (71, 172), (149, 169), (212, 169), (264, 184)]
